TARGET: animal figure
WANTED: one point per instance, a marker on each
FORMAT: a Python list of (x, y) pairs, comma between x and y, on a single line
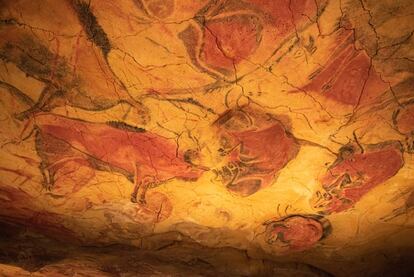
[(226, 34), (354, 174), (256, 147), (80, 78), (145, 158), (297, 232), (346, 73)]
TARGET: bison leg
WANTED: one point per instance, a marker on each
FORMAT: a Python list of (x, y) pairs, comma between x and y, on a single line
[(135, 191), (145, 186), (140, 189), (46, 96), (137, 184), (48, 177), (141, 186)]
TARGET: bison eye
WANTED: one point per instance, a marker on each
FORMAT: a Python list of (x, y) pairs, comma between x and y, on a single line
[(222, 152)]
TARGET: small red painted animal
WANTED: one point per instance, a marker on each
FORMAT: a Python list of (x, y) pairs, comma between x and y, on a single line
[(297, 232), (355, 173), (145, 158)]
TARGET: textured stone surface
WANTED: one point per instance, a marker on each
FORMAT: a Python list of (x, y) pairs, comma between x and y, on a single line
[(178, 137)]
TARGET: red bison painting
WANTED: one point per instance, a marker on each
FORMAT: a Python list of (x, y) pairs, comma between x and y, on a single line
[(143, 157), (297, 232), (348, 76), (256, 147), (354, 174)]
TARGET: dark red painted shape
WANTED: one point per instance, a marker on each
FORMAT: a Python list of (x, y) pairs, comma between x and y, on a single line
[(259, 151), (348, 76), (350, 178), (145, 155), (229, 41), (298, 232)]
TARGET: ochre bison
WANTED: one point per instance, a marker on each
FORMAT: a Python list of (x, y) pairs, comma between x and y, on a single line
[(355, 173), (297, 232), (143, 157), (255, 146)]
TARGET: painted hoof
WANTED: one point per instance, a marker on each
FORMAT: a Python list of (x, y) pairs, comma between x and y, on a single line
[(133, 199), (142, 201)]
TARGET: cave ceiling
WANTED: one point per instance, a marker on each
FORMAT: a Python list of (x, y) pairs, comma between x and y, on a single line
[(206, 138)]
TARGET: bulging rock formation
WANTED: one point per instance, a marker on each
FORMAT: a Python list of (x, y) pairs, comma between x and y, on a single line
[(206, 138)]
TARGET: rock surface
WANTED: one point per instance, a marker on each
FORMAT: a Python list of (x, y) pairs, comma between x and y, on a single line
[(205, 138)]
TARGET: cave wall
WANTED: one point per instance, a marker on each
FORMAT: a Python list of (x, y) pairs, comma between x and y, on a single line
[(245, 137)]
